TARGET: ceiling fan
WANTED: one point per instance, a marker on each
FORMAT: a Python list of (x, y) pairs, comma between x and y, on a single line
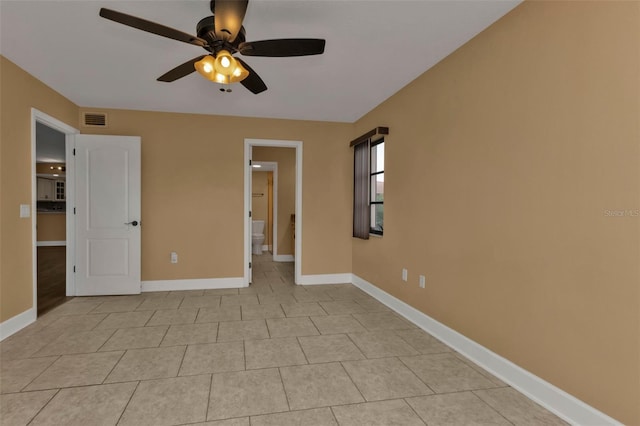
[(222, 35)]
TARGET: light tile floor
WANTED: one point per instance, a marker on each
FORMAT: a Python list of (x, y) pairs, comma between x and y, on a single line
[(271, 354)]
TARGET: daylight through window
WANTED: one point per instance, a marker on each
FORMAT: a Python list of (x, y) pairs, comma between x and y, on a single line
[(376, 186)]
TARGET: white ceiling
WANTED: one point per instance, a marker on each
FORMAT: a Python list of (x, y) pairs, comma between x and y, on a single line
[(373, 49)]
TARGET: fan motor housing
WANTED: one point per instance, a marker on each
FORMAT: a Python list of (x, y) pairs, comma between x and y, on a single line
[(206, 30)]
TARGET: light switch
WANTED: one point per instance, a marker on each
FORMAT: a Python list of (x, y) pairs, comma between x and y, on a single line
[(25, 210)]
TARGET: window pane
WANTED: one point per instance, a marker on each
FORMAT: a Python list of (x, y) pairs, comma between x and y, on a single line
[(377, 187), (377, 217), (377, 158)]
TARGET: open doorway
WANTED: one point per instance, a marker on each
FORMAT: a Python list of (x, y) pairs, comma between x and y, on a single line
[(51, 145), (264, 208), (51, 212), (273, 176)]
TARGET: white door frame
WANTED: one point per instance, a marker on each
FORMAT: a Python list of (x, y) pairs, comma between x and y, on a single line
[(38, 116), (271, 166), (248, 146)]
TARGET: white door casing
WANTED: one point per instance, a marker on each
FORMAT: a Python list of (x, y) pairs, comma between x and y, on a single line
[(250, 218), (107, 215), (248, 147)]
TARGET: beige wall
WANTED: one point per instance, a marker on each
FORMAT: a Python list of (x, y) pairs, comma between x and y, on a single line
[(19, 92), (260, 201), (51, 227), (501, 163), (193, 190), (286, 159)]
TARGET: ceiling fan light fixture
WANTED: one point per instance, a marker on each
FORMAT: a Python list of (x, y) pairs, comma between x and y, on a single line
[(227, 66), (224, 69), (205, 67)]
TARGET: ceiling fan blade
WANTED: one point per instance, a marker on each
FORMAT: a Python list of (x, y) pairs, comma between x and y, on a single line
[(253, 82), (283, 47), (180, 71), (228, 16), (151, 27)]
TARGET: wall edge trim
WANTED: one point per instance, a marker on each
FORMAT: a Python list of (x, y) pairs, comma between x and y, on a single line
[(17, 323), (192, 284), (321, 279), (554, 399)]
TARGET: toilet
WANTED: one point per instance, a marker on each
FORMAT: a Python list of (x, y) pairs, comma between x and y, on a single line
[(257, 236)]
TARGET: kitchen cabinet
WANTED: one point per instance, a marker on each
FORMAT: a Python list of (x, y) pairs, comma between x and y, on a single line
[(50, 189), (46, 189), (60, 190)]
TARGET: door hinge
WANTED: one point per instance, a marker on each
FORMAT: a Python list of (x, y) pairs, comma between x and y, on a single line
[(249, 213), (74, 151), (74, 210), (249, 265), (74, 269), (249, 162)]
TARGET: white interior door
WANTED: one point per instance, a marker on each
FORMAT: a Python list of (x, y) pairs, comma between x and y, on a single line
[(107, 215)]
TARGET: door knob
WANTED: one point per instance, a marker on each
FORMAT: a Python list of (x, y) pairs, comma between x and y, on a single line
[(134, 223)]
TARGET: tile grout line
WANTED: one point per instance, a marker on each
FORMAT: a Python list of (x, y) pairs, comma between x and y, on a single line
[(114, 366), (353, 382), (302, 349), (284, 390), (414, 373), (489, 405), (107, 339), (184, 354), (413, 409), (244, 353), (206, 414), (334, 415), (128, 402), (163, 336), (45, 404), (41, 373)]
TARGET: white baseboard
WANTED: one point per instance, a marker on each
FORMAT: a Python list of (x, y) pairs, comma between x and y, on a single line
[(17, 323), (193, 284), (554, 399), (50, 243), (325, 279), (283, 258)]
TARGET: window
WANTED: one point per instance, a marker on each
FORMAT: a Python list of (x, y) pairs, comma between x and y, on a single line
[(376, 187), (368, 183)]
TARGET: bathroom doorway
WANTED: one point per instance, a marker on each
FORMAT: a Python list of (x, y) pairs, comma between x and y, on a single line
[(264, 206), (273, 178)]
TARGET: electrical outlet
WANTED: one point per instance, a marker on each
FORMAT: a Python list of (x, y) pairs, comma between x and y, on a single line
[(174, 257), (422, 281), (404, 274)]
